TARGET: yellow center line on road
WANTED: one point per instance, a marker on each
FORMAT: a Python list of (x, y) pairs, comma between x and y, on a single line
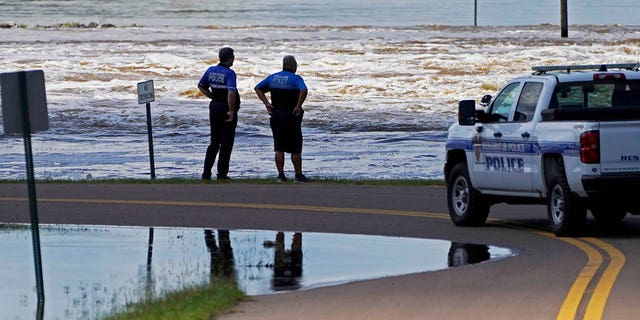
[(569, 307), (600, 294), (576, 293), (595, 309), (236, 205)]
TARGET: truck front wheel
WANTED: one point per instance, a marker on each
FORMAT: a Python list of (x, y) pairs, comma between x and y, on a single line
[(567, 214), (466, 206)]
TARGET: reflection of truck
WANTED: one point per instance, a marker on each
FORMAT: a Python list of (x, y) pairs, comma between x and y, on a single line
[(567, 136)]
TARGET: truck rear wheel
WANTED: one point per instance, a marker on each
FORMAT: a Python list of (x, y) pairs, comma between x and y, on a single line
[(567, 214), (466, 206)]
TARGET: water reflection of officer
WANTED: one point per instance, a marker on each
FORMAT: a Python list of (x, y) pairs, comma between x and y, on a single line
[(222, 265), (287, 266), (461, 254)]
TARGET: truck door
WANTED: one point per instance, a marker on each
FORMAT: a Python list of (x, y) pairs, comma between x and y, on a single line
[(508, 146), (522, 147), (486, 154)]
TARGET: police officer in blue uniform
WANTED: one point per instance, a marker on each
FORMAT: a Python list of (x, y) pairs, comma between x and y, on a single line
[(218, 83), (288, 92)]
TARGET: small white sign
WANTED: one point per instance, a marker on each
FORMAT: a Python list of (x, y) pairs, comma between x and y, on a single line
[(146, 93)]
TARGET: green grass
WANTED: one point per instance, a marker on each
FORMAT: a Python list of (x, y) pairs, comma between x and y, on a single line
[(400, 182), (196, 303)]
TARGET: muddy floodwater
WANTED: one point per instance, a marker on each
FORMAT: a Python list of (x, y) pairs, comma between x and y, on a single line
[(90, 271)]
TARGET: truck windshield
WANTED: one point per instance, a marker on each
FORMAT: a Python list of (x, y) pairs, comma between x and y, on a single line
[(596, 94)]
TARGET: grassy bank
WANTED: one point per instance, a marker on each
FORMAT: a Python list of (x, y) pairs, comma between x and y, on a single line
[(402, 182), (196, 303)]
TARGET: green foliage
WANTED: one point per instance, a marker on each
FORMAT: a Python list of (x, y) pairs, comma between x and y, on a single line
[(195, 303), (399, 182), (71, 25)]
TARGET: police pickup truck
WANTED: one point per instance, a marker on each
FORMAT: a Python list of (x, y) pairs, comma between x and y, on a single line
[(567, 136)]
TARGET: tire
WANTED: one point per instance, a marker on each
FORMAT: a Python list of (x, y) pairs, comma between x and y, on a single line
[(466, 206), (567, 214), (607, 215)]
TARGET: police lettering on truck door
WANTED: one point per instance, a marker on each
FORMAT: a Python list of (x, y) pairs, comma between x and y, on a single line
[(513, 160), (505, 163)]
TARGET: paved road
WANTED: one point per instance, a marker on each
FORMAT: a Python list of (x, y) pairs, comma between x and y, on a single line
[(593, 277)]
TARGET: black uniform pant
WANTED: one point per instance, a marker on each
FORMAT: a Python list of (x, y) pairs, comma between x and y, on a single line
[(222, 137), (287, 130)]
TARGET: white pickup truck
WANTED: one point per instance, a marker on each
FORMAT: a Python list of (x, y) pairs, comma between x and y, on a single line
[(567, 136)]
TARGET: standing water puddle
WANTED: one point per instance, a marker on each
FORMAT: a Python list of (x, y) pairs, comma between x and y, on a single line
[(90, 271)]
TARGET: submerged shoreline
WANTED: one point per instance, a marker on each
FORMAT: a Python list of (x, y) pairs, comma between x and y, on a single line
[(366, 182)]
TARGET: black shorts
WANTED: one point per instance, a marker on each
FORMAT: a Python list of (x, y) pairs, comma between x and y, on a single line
[(287, 131)]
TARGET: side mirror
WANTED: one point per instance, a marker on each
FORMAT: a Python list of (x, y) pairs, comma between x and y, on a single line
[(467, 112), (486, 100)]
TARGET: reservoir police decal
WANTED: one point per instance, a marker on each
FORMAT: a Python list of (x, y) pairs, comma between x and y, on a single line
[(510, 147)]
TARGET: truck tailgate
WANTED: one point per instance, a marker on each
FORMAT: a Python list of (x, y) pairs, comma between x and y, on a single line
[(620, 147)]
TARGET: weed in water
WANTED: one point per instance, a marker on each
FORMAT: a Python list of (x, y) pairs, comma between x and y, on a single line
[(194, 303)]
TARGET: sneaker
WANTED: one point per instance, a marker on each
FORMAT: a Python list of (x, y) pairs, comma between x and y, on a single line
[(223, 178), (302, 178), (282, 177), (206, 176)]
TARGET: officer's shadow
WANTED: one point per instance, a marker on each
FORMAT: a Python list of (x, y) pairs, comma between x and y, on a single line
[(628, 228), (287, 264)]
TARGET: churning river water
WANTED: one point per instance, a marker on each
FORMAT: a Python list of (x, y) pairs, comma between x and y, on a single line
[(384, 78)]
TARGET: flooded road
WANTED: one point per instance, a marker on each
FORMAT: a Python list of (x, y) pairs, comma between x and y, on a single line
[(90, 271)]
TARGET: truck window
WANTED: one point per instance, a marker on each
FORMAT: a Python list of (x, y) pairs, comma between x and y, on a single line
[(502, 104), (597, 94), (626, 94), (570, 96), (528, 101)]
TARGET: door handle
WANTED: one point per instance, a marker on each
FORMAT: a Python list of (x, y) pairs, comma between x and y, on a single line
[(525, 135), (497, 134)]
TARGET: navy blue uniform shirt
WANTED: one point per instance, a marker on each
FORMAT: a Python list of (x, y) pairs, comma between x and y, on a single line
[(220, 79), (285, 87)]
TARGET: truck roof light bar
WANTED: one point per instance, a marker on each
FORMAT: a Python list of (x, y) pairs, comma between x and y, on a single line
[(600, 67)]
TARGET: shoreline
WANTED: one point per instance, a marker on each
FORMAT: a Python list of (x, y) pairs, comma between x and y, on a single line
[(367, 182)]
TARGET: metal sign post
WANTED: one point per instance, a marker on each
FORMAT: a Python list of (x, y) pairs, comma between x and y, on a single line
[(146, 95), (24, 109)]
